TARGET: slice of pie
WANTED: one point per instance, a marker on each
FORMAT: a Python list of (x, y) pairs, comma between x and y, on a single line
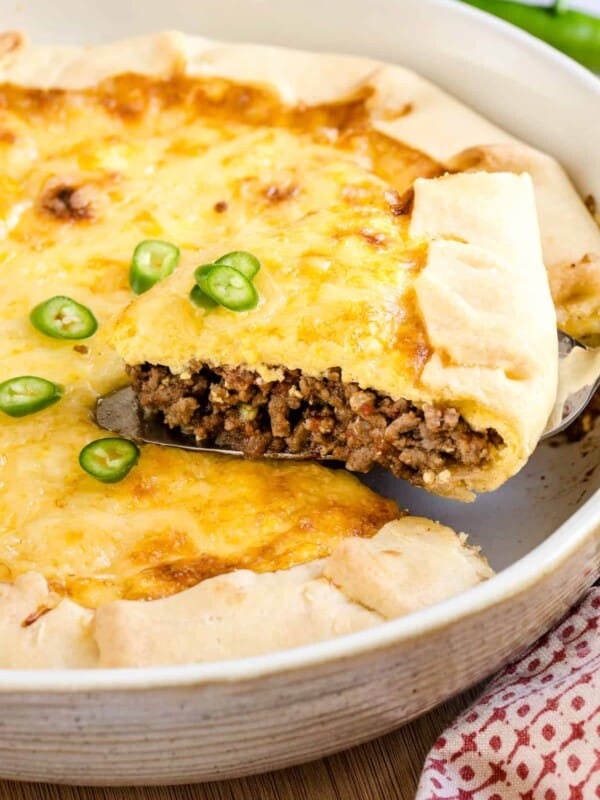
[(406, 340)]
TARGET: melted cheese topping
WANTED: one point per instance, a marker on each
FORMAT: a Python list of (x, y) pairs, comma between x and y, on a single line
[(84, 176)]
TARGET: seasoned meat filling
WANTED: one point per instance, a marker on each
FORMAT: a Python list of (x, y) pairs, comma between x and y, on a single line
[(235, 408)]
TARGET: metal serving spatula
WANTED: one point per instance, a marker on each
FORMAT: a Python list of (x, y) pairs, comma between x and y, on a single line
[(120, 412)]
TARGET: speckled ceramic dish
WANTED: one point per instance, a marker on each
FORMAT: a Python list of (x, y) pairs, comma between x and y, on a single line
[(541, 531)]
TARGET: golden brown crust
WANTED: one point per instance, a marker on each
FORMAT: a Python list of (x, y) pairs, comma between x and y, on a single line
[(570, 234), (410, 564), (401, 569), (393, 573), (494, 354)]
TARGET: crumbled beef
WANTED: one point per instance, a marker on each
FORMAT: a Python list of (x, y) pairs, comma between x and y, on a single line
[(233, 407)]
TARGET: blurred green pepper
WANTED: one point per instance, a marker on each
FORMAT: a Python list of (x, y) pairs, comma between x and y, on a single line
[(575, 33)]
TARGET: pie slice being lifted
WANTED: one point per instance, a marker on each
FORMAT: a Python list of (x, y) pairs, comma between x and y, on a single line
[(399, 334)]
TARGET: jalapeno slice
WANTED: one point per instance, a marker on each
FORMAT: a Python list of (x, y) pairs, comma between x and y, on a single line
[(152, 261), (109, 460), (228, 287), (28, 394), (244, 262), (63, 318), (200, 272), (200, 299)]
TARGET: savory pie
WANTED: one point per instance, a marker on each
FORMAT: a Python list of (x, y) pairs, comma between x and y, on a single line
[(318, 165), (408, 341)]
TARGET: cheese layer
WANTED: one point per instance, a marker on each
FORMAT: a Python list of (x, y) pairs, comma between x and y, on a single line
[(319, 306), (84, 176)]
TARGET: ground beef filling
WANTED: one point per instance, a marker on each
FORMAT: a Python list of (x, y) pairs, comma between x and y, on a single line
[(233, 407)]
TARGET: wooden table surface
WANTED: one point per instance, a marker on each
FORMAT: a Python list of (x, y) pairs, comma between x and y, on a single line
[(385, 769)]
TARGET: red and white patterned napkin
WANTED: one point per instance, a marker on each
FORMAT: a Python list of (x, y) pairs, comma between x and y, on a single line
[(535, 732)]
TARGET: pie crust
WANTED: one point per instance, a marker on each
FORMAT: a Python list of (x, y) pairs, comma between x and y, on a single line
[(410, 564)]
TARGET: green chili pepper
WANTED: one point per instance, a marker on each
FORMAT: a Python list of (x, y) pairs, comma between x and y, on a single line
[(201, 271), (152, 261), (227, 282), (228, 287), (63, 318), (197, 296), (244, 262), (200, 299), (575, 33), (109, 460), (28, 394)]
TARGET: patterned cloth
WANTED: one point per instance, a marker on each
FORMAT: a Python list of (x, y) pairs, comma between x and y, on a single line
[(535, 732)]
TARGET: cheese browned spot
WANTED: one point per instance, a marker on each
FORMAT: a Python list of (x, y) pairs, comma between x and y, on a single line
[(277, 194), (68, 203)]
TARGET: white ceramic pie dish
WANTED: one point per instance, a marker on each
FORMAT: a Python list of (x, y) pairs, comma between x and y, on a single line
[(541, 531)]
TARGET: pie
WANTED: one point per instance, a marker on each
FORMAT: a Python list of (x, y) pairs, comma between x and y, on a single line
[(407, 341), (319, 162)]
